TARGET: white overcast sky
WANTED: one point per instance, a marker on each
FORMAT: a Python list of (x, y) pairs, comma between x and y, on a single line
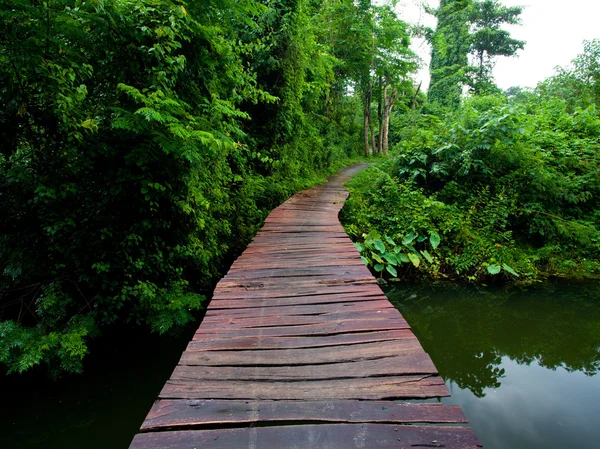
[(553, 29)]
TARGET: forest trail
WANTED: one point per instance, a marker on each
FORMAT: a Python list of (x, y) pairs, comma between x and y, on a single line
[(301, 349)]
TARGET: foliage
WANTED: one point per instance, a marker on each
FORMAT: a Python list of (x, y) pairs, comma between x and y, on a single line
[(449, 52), (579, 84), (374, 252), (141, 144), (511, 187)]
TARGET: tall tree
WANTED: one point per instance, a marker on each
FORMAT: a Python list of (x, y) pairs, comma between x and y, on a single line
[(467, 27), (450, 48), (488, 40), (393, 62)]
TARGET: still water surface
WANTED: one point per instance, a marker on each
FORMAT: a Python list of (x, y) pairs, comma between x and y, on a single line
[(523, 365), (101, 409)]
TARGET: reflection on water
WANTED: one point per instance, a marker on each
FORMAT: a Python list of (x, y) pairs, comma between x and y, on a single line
[(101, 409), (523, 365)]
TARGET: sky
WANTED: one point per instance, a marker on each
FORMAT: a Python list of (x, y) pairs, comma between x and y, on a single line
[(554, 31)]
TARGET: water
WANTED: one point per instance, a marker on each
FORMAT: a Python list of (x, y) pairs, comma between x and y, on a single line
[(523, 365), (101, 409)]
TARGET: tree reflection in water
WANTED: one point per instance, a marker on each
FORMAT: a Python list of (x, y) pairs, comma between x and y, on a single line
[(467, 330)]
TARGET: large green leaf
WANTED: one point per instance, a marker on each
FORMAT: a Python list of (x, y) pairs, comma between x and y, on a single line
[(377, 257), (434, 239), (408, 238), (359, 247), (493, 269), (403, 258), (427, 256), (379, 245), (510, 270), (391, 270), (390, 258), (379, 267), (414, 258)]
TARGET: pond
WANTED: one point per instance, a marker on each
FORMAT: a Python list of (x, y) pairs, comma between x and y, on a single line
[(101, 409), (523, 365)]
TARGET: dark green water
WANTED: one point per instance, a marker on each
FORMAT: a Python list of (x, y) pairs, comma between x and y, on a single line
[(101, 409), (523, 365)]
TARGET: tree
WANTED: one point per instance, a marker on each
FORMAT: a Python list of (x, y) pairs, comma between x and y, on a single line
[(489, 41), (578, 85), (467, 27), (393, 62), (450, 47)]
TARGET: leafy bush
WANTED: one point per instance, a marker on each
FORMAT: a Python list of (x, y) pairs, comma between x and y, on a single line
[(134, 160), (512, 189)]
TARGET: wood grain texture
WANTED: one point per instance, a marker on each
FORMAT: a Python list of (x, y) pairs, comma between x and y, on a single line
[(180, 413), (299, 333), (326, 436)]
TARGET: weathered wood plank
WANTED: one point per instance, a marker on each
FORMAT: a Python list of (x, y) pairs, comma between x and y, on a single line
[(312, 309), (178, 413), (267, 320), (250, 290), (414, 363), (309, 356), (370, 388), (340, 327), (326, 436), (216, 343)]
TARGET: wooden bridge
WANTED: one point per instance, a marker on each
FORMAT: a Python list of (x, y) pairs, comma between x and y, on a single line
[(301, 349)]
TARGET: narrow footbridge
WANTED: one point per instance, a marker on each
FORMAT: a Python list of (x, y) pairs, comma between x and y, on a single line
[(301, 349)]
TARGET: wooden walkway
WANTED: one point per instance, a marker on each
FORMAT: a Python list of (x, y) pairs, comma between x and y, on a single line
[(301, 349)]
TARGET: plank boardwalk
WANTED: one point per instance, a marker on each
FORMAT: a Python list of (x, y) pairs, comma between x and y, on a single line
[(301, 349)]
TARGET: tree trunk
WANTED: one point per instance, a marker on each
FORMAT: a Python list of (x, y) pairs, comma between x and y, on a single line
[(380, 114), (366, 113), (389, 101), (373, 142)]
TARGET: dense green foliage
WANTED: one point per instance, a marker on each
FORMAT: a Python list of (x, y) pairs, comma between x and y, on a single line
[(141, 144), (512, 187)]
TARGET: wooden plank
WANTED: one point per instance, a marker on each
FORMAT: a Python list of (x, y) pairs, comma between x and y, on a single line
[(300, 274), (266, 303), (312, 309), (268, 320), (249, 290), (326, 436), (192, 413), (340, 327), (370, 388), (305, 356), (414, 363), (216, 343)]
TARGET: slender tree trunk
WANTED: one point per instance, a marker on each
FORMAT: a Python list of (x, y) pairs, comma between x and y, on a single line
[(389, 101), (386, 130), (373, 142), (380, 114), (366, 113)]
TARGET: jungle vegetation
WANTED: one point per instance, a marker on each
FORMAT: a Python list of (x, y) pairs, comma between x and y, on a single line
[(142, 143), (482, 185)]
